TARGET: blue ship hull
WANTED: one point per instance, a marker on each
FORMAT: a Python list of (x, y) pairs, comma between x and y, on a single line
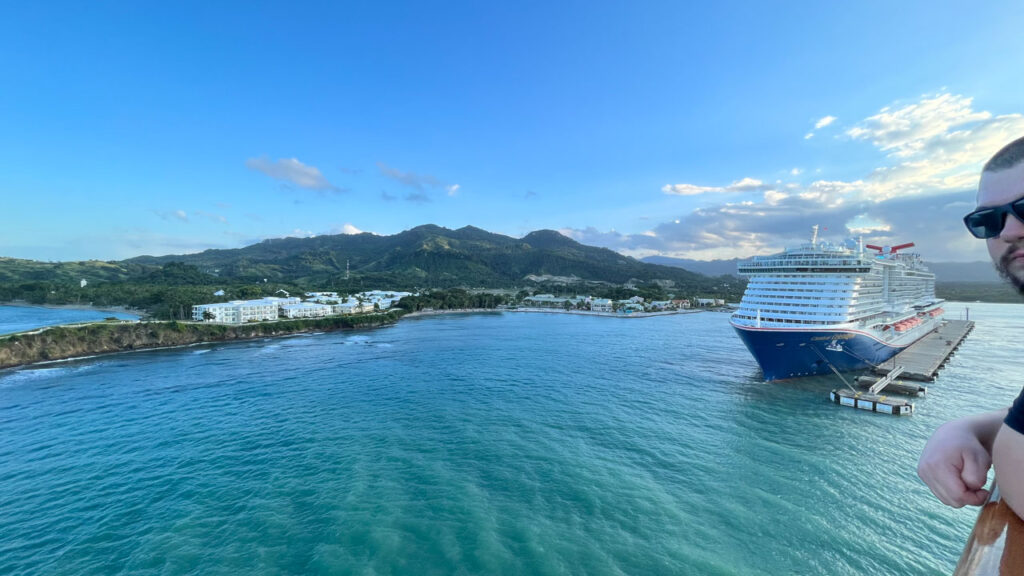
[(793, 353)]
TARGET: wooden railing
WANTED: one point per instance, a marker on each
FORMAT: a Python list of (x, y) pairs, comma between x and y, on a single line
[(996, 545)]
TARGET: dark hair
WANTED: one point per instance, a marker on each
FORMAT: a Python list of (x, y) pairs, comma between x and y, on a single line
[(1010, 155)]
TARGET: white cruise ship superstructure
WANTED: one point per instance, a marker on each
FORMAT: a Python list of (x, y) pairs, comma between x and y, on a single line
[(822, 305)]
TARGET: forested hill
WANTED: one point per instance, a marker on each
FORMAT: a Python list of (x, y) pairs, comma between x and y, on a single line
[(424, 257), (706, 267), (428, 256)]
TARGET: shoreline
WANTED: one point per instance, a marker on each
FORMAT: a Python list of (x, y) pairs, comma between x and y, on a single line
[(82, 307), (425, 313), (256, 331), (603, 314), (547, 311)]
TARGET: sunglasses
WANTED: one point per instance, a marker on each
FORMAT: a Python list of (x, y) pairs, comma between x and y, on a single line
[(989, 222)]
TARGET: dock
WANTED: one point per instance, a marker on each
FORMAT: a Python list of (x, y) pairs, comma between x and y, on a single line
[(894, 387), (871, 402), (922, 359)]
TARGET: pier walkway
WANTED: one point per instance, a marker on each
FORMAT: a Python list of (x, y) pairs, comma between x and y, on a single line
[(922, 359)]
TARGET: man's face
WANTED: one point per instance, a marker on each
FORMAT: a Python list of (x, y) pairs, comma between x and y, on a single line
[(1007, 249)]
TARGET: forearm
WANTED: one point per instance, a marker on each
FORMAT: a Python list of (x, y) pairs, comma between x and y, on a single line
[(955, 461)]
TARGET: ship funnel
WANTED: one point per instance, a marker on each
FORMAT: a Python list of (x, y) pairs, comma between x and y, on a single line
[(814, 235)]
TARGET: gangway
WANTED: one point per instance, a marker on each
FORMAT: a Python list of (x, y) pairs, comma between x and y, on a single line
[(885, 380)]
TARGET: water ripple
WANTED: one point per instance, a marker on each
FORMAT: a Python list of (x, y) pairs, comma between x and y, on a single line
[(505, 444)]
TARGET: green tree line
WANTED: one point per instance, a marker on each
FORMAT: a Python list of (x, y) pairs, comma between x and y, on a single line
[(452, 299)]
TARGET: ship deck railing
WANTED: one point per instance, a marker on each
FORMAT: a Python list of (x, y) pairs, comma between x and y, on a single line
[(996, 544)]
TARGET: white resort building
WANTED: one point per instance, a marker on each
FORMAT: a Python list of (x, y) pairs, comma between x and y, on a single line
[(241, 311), (319, 304), (352, 306), (306, 310), (323, 297), (382, 299)]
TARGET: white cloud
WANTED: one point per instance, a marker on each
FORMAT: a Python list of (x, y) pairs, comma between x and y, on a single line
[(773, 197), (742, 185), (933, 146), (346, 228), (824, 122), (928, 157), (745, 185), (687, 189), (830, 193), (453, 189), (744, 229), (914, 128), (181, 215), (291, 171), (930, 147), (863, 224)]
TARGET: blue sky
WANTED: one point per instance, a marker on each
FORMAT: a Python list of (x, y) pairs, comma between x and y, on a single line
[(690, 130)]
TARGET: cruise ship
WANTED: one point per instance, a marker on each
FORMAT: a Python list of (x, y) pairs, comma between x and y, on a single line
[(825, 307)]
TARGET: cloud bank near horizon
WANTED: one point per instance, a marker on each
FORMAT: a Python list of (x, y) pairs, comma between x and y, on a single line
[(930, 153)]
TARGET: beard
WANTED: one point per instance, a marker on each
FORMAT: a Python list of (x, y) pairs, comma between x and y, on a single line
[(1003, 267)]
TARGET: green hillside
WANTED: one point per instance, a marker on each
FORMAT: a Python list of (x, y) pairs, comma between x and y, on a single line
[(423, 258), (14, 270), (426, 256)]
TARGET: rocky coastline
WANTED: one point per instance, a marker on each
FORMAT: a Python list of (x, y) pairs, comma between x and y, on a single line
[(92, 339)]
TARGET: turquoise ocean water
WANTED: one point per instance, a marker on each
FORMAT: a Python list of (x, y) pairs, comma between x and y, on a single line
[(478, 444), (18, 318)]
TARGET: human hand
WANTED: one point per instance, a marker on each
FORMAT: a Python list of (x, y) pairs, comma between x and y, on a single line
[(954, 464)]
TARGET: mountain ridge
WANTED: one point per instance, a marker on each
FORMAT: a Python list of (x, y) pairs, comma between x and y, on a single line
[(426, 256)]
